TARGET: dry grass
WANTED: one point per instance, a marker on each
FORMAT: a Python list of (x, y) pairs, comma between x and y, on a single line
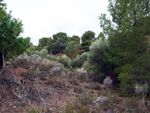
[(63, 83)]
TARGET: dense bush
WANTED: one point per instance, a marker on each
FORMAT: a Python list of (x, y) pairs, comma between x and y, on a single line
[(64, 60), (97, 57), (80, 59)]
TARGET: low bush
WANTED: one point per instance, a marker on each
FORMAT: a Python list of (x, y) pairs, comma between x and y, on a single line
[(65, 60), (22, 60), (35, 52), (43, 53), (96, 86), (54, 58), (74, 81), (80, 105), (86, 65)]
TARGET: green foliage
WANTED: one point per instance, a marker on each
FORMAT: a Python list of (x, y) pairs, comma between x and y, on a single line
[(98, 59), (86, 65), (87, 39), (10, 29), (59, 42), (20, 45), (36, 52), (54, 58), (39, 47), (80, 59), (71, 49), (75, 38), (101, 35), (31, 48), (75, 64), (43, 42), (9, 56), (28, 52), (81, 52), (43, 53), (128, 41), (65, 60)]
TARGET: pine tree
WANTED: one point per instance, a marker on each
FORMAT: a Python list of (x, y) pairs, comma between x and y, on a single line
[(10, 29), (87, 39), (129, 41)]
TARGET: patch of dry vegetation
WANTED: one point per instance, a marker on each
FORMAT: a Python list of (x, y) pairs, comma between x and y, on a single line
[(59, 90)]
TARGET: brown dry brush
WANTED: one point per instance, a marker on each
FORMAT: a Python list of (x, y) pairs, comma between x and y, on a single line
[(27, 89)]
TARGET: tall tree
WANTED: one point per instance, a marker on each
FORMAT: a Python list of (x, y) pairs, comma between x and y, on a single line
[(10, 29), (87, 39), (75, 38), (50, 44), (43, 42), (60, 41), (100, 36), (128, 41)]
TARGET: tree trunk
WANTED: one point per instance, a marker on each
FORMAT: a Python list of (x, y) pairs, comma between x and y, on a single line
[(1, 60)]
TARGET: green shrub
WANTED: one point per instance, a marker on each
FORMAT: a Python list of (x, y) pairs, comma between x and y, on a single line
[(98, 59), (97, 55), (43, 53), (75, 64), (65, 60), (80, 59), (75, 69), (86, 65), (29, 52), (35, 52), (54, 58)]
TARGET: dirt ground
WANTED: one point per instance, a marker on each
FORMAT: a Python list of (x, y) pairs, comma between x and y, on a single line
[(56, 94)]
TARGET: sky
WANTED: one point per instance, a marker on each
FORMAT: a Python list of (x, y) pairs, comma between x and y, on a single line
[(43, 18)]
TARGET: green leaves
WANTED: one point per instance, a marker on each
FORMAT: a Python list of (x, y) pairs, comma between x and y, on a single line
[(87, 39), (71, 49), (60, 41), (128, 42), (10, 28)]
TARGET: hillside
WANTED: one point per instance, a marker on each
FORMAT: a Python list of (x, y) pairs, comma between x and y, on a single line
[(30, 84)]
